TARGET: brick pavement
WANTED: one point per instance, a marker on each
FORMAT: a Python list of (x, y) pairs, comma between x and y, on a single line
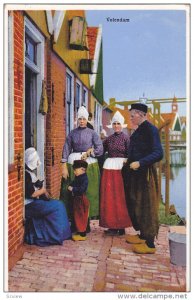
[(100, 264)]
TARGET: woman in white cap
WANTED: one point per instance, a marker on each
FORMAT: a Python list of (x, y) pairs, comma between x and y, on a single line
[(46, 219), (113, 208), (82, 143)]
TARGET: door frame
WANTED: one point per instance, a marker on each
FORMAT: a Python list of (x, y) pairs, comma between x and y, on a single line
[(36, 36)]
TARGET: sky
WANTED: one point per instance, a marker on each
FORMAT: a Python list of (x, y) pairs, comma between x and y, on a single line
[(146, 55)]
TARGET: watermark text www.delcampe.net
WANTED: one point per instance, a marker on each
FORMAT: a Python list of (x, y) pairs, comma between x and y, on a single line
[(152, 296)]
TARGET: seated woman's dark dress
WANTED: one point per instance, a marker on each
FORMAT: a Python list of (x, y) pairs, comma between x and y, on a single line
[(46, 219)]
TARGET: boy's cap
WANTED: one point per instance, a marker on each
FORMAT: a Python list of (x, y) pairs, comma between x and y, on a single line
[(80, 164)]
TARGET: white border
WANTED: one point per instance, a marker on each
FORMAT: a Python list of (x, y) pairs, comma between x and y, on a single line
[(188, 150), (4, 179), (152, 5), (113, 296)]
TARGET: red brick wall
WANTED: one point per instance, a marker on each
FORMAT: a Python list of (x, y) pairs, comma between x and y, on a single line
[(55, 75), (55, 129), (55, 120), (15, 186)]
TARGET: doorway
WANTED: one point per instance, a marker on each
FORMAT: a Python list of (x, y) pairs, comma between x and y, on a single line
[(34, 122), (30, 109)]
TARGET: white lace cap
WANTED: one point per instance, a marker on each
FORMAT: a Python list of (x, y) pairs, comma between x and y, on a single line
[(117, 118), (32, 159), (82, 113)]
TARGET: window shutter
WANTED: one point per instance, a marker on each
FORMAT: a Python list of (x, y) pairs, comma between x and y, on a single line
[(78, 28)]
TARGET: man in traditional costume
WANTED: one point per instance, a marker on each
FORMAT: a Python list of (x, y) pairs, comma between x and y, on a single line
[(140, 180)]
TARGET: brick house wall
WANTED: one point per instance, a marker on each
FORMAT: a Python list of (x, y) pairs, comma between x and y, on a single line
[(55, 129), (55, 122), (15, 186)]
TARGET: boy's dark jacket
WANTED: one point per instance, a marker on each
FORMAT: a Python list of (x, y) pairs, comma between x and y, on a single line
[(79, 184)]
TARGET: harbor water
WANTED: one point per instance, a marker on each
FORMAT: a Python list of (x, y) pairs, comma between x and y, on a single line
[(178, 181)]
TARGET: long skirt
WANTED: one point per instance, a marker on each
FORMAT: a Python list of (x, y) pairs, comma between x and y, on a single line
[(113, 208), (141, 188), (46, 223), (92, 192), (81, 210)]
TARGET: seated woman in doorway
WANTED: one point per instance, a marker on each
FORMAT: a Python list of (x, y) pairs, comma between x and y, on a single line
[(46, 219)]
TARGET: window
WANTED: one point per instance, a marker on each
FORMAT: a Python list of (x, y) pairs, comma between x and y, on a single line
[(98, 118), (85, 98), (69, 102), (69, 79), (78, 96), (30, 49)]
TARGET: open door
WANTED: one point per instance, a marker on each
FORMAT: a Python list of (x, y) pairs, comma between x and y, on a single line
[(34, 122), (30, 109)]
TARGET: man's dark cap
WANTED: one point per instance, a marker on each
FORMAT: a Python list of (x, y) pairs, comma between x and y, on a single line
[(139, 106), (80, 164)]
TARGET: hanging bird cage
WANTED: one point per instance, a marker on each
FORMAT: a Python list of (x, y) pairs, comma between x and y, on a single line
[(86, 66)]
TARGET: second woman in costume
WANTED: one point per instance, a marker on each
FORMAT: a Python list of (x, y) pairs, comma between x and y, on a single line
[(113, 208)]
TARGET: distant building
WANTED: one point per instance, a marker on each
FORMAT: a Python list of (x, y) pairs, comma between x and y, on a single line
[(177, 126), (183, 128)]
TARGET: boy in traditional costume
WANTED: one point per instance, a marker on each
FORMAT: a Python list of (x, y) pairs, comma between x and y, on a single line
[(78, 190)]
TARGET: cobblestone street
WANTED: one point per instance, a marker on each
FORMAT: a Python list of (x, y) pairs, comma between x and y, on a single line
[(100, 264)]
